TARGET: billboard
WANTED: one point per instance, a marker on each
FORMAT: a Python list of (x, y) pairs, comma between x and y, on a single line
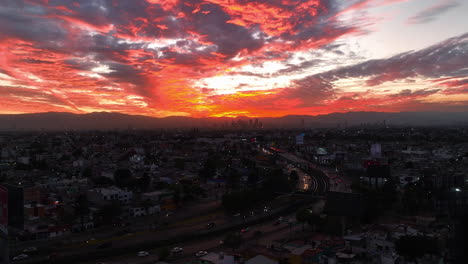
[(4, 210), (300, 139), (376, 150)]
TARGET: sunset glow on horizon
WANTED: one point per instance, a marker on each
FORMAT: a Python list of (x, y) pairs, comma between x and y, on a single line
[(213, 58)]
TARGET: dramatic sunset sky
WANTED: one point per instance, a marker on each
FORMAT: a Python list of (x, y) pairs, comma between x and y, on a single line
[(233, 57)]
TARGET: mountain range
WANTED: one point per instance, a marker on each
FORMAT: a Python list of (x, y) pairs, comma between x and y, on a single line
[(56, 121)]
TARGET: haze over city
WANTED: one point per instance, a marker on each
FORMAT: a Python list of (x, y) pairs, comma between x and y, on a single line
[(232, 58)]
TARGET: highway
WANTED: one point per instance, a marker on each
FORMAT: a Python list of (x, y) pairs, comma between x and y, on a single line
[(270, 232), (131, 243), (311, 178)]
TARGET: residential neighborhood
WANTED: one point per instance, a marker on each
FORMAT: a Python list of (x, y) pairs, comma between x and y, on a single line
[(343, 195)]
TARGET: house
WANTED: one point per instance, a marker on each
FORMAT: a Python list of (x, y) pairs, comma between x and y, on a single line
[(101, 196), (217, 258), (143, 211), (157, 196), (260, 259)]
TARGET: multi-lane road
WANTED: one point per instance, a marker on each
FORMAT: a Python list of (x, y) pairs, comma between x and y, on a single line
[(311, 178), (269, 232)]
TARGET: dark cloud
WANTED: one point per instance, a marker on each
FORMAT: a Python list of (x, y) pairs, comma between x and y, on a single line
[(213, 26), (311, 90), (36, 61), (429, 14), (409, 92), (447, 58), (15, 23)]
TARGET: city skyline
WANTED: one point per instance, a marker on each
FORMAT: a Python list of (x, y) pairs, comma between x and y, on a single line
[(233, 58)]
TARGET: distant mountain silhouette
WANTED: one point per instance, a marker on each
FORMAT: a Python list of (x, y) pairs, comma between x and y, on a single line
[(115, 121)]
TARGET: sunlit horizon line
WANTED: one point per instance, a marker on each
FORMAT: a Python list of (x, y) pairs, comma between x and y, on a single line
[(11, 113)]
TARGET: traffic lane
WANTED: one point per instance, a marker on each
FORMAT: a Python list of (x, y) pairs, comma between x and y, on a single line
[(130, 238), (306, 182), (270, 238), (191, 248), (137, 224), (93, 249), (339, 183)]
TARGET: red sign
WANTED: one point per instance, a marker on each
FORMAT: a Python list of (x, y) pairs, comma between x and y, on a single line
[(4, 209)]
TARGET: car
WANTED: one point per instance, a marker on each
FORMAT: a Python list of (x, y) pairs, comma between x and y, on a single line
[(90, 241), (244, 230), (176, 250), (30, 249), (143, 254), (211, 225), (105, 245), (280, 219), (21, 257), (169, 214), (201, 253), (236, 215)]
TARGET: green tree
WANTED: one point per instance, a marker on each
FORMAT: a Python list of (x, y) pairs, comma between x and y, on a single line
[(293, 179), (414, 247), (163, 253), (315, 220), (81, 208), (179, 163), (303, 216), (233, 179), (276, 182), (257, 234), (123, 178), (234, 241), (102, 181), (87, 173), (109, 212)]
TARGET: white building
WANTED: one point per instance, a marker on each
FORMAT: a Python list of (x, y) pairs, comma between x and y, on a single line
[(142, 211), (104, 195)]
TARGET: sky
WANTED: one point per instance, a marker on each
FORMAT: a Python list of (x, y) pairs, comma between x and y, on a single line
[(213, 58)]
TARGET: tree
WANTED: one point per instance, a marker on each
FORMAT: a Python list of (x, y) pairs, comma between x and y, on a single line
[(102, 181), (303, 216), (110, 211), (211, 164), (414, 247), (257, 234), (177, 189), (143, 183), (179, 163), (276, 182), (81, 208), (233, 179), (163, 253), (233, 241), (293, 179), (87, 173), (123, 178)]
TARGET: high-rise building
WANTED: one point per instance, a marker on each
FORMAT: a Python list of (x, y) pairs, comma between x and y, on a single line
[(14, 204)]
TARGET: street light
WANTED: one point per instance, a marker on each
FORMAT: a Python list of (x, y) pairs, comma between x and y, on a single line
[(457, 190)]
